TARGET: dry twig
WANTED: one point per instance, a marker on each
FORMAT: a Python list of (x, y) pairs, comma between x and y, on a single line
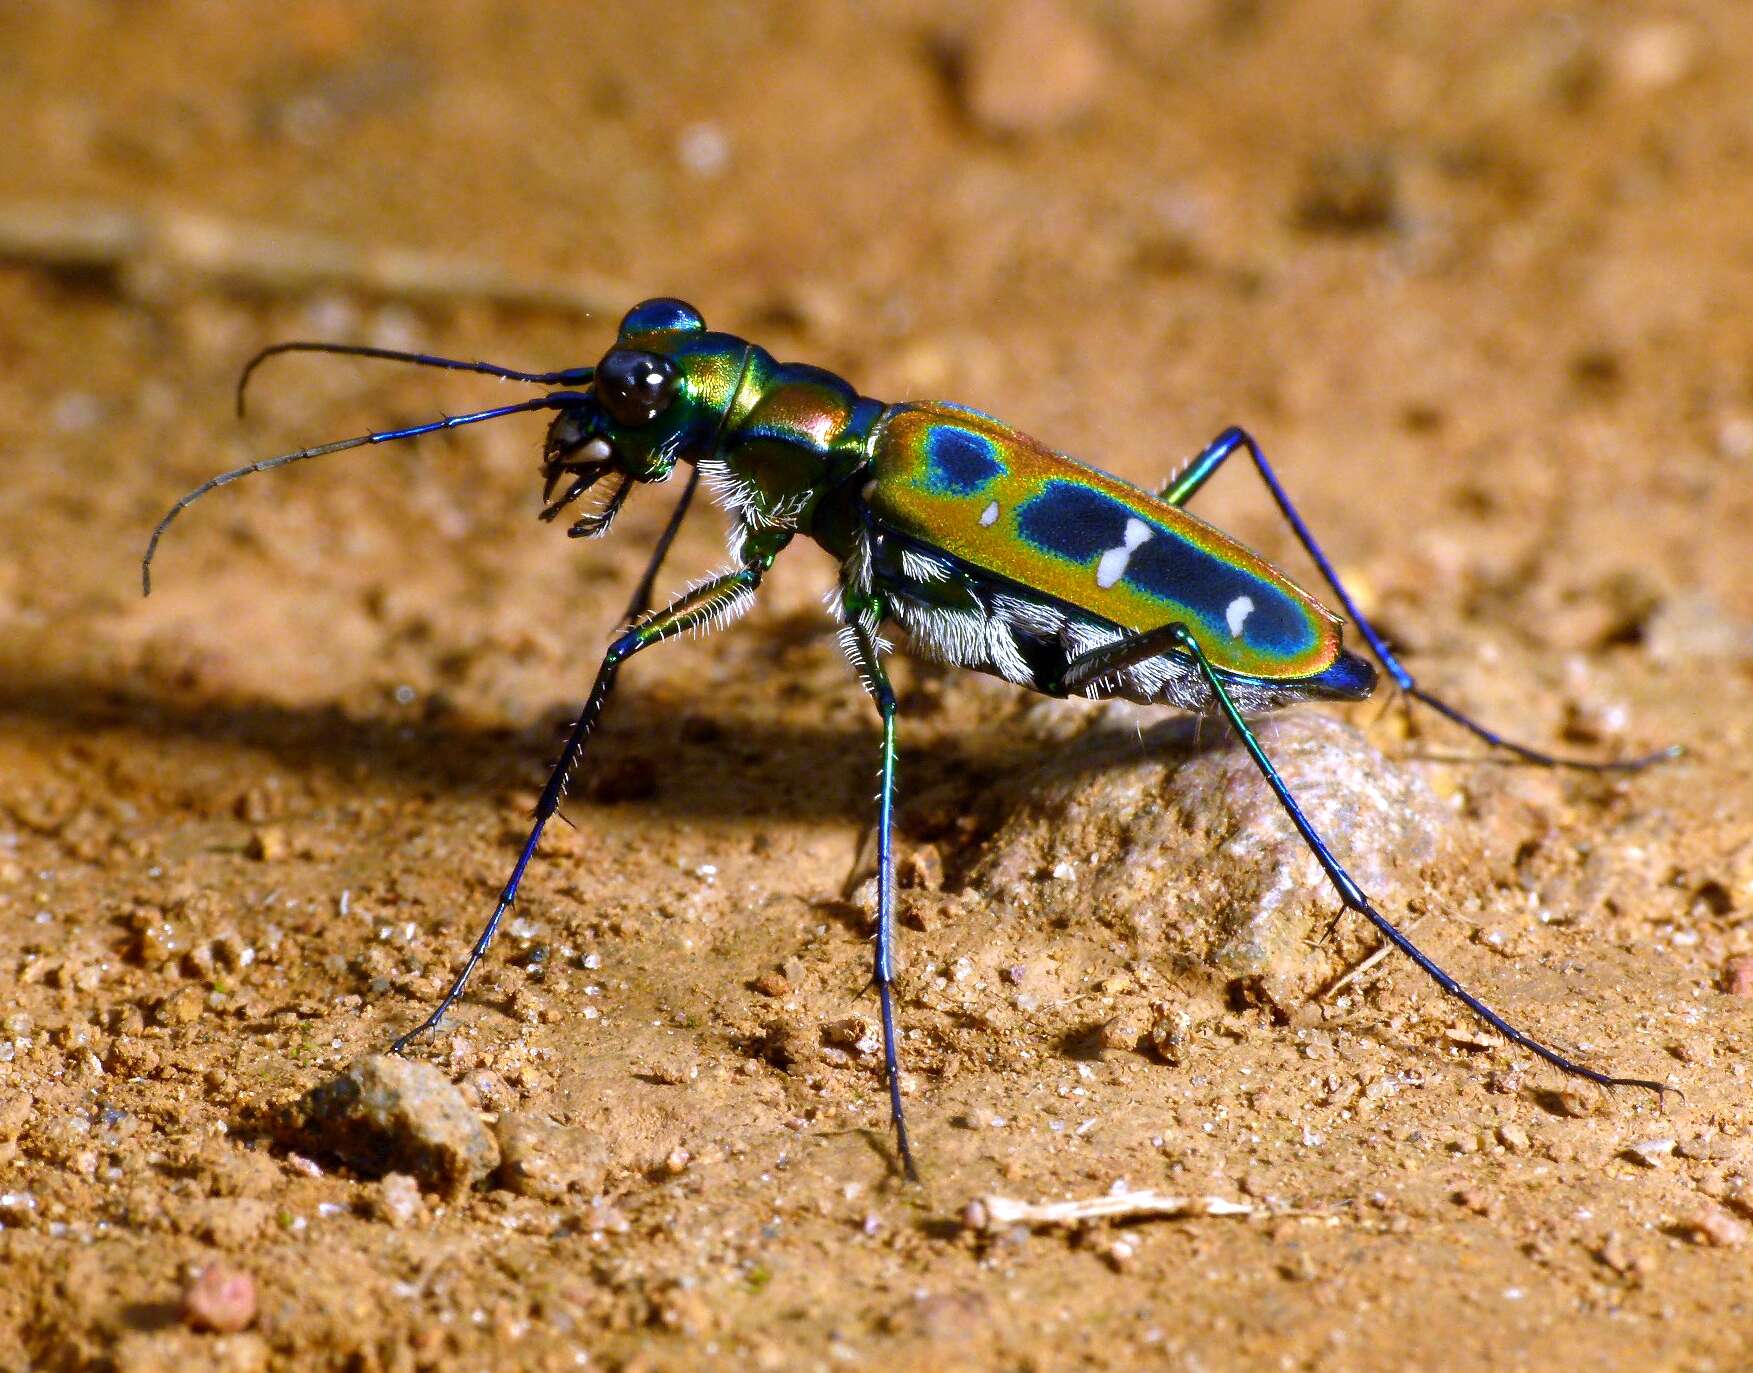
[(996, 1213), (153, 253)]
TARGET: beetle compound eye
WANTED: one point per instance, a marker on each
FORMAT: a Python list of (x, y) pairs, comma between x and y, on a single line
[(635, 388)]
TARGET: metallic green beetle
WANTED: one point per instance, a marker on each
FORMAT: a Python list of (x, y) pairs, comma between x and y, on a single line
[(988, 549)]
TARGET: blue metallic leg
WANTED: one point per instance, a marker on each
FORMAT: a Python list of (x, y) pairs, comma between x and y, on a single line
[(698, 610), (1181, 489), (1352, 895), (861, 650)]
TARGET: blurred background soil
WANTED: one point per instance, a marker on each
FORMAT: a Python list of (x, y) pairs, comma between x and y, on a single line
[(1480, 278)]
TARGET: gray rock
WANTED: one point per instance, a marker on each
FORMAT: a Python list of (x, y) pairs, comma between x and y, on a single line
[(387, 1114), (1188, 855)]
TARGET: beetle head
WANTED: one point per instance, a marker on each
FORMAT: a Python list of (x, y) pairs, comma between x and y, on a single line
[(643, 411)]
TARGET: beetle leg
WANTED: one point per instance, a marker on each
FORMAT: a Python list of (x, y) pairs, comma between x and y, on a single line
[(1181, 489), (1102, 660), (705, 607), (859, 642), (1352, 895)]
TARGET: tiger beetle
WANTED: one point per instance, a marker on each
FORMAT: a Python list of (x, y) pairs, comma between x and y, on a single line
[(987, 548)]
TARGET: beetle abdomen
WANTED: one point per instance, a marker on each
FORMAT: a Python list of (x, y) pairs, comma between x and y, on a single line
[(997, 499)]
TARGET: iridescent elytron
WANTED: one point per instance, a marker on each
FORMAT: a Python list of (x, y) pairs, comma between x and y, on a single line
[(989, 550)]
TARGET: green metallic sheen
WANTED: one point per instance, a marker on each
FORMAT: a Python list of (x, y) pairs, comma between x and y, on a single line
[(794, 448)]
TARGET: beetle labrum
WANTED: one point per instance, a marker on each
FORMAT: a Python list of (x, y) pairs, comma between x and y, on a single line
[(989, 550)]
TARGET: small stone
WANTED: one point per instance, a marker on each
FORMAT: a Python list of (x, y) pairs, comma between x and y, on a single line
[(923, 868), (851, 1033), (1169, 1032), (180, 1007), (397, 1201), (1504, 1081), (1738, 976), (1514, 1138), (1474, 1199), (543, 1160), (674, 1067), (1714, 1227), (1650, 1152), (1577, 1105), (1123, 1032), (1600, 723), (268, 844), (219, 1298), (1617, 1255), (387, 1114), (1030, 67), (771, 984), (676, 1162), (1655, 55)]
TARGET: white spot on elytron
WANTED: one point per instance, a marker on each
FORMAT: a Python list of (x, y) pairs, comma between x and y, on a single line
[(597, 450), (990, 514), (1237, 614), (1111, 567)]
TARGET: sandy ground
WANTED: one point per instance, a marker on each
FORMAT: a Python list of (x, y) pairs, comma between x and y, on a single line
[(1479, 277)]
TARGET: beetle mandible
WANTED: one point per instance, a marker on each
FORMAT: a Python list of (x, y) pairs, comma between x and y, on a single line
[(989, 550)]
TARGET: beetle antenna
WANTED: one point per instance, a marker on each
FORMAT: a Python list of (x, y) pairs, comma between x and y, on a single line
[(569, 376), (554, 400)]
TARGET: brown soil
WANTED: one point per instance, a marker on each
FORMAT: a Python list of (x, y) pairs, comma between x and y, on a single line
[(1479, 278)]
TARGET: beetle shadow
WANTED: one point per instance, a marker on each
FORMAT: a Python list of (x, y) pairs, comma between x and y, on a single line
[(645, 756)]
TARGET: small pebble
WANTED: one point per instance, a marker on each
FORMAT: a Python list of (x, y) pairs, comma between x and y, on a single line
[(543, 1160), (674, 1067), (772, 984), (1738, 976), (1651, 1152), (397, 1201), (388, 1114), (1030, 67), (923, 868), (1170, 1029), (268, 844), (180, 1008), (1122, 1033), (1577, 1105), (1617, 1256), (1474, 1199), (219, 1298), (1714, 1227), (1655, 55), (850, 1032), (1513, 1137)]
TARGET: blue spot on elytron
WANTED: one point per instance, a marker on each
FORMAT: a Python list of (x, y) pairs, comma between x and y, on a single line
[(960, 462), (1172, 569), (1070, 521)]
